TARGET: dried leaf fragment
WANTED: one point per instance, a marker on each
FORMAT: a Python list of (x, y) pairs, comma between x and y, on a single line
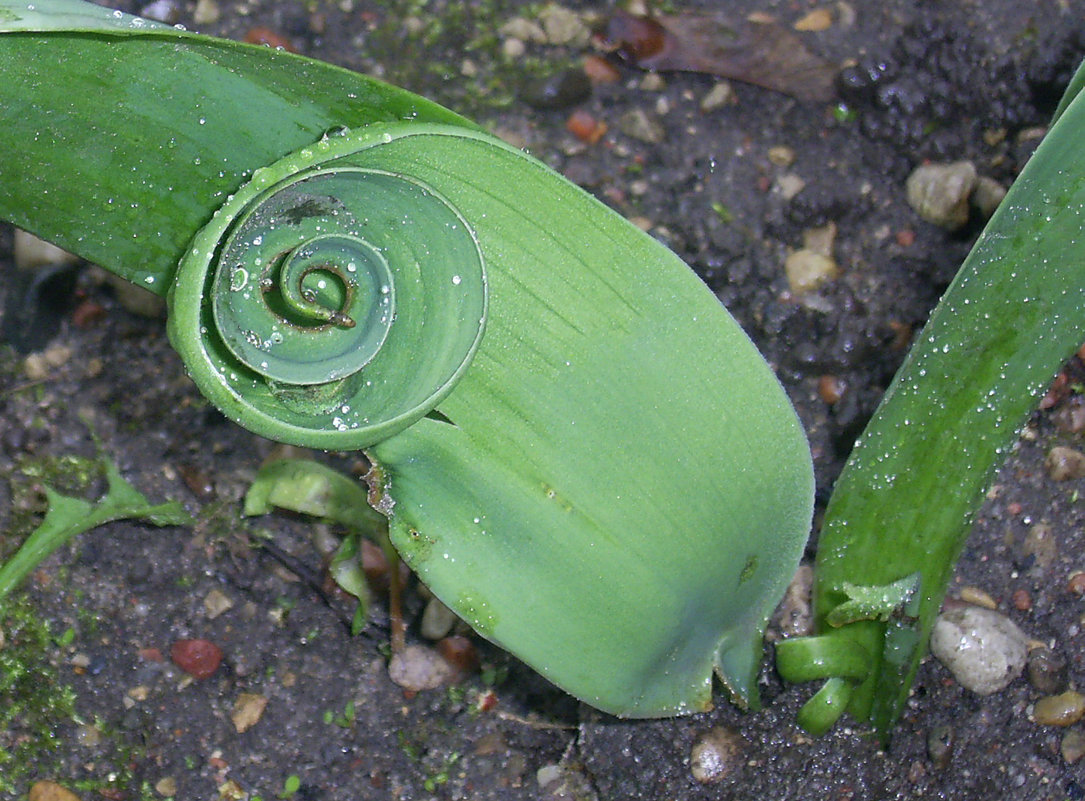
[(751, 50)]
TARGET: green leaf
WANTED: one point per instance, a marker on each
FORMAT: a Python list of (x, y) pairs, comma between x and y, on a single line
[(905, 502), (68, 517), (308, 487), (577, 447)]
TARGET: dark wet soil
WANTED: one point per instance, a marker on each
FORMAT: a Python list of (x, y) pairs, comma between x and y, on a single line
[(926, 81)]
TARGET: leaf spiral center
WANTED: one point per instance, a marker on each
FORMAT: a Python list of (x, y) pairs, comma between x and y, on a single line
[(334, 304)]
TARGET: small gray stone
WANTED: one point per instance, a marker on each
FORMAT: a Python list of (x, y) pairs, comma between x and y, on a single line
[(639, 124), (939, 192), (983, 649), (940, 746)]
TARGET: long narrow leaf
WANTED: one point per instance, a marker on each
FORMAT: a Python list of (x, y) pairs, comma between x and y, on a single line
[(905, 502)]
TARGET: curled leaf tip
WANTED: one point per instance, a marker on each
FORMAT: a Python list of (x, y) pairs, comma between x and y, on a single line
[(302, 308)]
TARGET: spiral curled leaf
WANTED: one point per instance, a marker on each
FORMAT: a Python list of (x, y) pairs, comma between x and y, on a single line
[(328, 305), (613, 486)]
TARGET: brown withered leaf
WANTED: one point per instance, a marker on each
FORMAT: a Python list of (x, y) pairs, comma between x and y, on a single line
[(753, 50)]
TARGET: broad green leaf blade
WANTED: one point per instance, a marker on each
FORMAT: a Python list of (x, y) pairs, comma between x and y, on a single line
[(120, 153), (617, 488), (623, 490), (905, 501)]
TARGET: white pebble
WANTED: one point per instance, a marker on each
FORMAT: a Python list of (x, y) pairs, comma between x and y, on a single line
[(983, 649)]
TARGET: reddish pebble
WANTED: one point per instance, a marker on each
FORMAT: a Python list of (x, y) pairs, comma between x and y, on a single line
[(1014, 509), (87, 314), (831, 389), (487, 701), (599, 70), (151, 655), (905, 237), (266, 36), (459, 652), (1022, 601), (585, 127), (197, 658)]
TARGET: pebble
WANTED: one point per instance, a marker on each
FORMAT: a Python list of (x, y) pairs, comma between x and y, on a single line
[(523, 29), (248, 708), (585, 127), (788, 185), (50, 791), (781, 155), (716, 754), (986, 195), (271, 38), (718, 96), (206, 12), (1073, 746), (807, 270), (1075, 584), (831, 388), (1064, 709), (197, 658), (639, 124), (564, 26), (216, 603), (88, 735), (564, 783), (564, 89), (983, 649), (1064, 463), (939, 192), (600, 71), (418, 668), (978, 597), (162, 11), (32, 252), (1070, 417), (652, 82), (794, 615), (437, 620), (166, 787), (820, 19), (512, 49), (940, 741), (1022, 600), (460, 653), (1041, 545), (1048, 671)]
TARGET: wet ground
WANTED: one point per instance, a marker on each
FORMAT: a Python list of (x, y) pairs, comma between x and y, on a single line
[(937, 82)]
